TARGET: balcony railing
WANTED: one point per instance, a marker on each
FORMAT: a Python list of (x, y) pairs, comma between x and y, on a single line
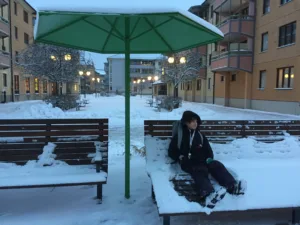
[(3, 2), (238, 57), (243, 24), (4, 27), (234, 49), (4, 60)]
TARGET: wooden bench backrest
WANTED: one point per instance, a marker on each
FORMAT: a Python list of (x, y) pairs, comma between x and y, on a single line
[(218, 130), (24, 140)]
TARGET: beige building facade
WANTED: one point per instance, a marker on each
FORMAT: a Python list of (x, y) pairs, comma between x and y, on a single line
[(255, 65)]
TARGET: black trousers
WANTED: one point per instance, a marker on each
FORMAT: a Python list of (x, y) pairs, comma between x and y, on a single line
[(217, 170)]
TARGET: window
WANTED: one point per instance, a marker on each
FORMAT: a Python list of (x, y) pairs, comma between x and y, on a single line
[(282, 2), (199, 85), (15, 8), (208, 83), (16, 33), (209, 60), (4, 80), (217, 18), (233, 77), (188, 87), (17, 56), (216, 46), (36, 85), (262, 79), (45, 87), (33, 20), (26, 38), (264, 42), (287, 34), (285, 77), (25, 16), (17, 84), (266, 6), (211, 11), (27, 85), (181, 86), (222, 78)]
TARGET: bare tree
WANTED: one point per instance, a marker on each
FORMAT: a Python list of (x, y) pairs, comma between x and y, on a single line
[(56, 64), (186, 67)]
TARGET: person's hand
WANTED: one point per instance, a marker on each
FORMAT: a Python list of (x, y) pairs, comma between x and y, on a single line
[(209, 160)]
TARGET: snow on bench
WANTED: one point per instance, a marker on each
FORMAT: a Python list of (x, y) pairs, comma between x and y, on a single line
[(268, 168)]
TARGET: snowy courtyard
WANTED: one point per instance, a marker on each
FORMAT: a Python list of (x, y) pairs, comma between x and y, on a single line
[(76, 205)]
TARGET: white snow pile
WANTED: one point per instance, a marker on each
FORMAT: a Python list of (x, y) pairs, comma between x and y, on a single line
[(267, 168), (47, 170)]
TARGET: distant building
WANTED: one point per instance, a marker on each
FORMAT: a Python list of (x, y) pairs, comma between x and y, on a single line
[(141, 67)]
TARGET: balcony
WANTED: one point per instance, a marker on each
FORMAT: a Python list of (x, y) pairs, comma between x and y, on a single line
[(236, 26), (4, 27), (4, 60), (239, 57), (226, 6), (3, 2)]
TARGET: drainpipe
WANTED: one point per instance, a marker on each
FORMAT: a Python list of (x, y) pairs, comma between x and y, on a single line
[(10, 49), (214, 88)]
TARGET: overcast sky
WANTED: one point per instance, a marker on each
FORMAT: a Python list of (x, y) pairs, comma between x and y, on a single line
[(99, 59)]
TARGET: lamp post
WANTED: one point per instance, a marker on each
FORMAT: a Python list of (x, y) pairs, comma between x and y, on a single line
[(176, 60), (152, 79), (66, 57), (84, 75)]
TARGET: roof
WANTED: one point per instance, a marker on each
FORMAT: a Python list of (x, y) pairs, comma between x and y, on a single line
[(138, 56)]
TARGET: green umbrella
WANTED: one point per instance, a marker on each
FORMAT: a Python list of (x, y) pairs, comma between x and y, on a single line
[(124, 31)]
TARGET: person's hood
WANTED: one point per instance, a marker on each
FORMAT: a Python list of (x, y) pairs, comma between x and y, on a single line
[(188, 116)]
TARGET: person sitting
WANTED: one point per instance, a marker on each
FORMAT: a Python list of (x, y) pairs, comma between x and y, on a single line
[(192, 150)]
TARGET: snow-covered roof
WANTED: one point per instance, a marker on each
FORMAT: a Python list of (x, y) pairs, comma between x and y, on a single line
[(137, 56), (123, 7)]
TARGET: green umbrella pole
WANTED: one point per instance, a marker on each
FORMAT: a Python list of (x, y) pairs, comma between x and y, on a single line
[(127, 107)]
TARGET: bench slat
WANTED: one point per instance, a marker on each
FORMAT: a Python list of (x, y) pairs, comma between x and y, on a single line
[(53, 127), (54, 121), (52, 133)]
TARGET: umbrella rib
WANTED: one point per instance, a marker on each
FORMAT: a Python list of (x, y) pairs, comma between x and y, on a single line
[(135, 25), (62, 27), (110, 33), (158, 34), (145, 32), (114, 28), (100, 28)]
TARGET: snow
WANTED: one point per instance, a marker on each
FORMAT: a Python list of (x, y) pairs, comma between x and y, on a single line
[(47, 170), (113, 8), (75, 205), (267, 168)]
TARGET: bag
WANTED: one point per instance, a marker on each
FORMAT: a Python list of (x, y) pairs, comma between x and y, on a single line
[(177, 130)]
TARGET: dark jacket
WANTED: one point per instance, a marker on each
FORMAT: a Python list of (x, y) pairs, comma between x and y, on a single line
[(199, 151)]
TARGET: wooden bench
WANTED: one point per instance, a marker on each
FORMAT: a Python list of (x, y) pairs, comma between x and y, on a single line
[(179, 185), (80, 143)]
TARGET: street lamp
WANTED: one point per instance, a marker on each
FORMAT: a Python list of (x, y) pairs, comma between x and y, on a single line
[(182, 60), (152, 79), (177, 60), (82, 74)]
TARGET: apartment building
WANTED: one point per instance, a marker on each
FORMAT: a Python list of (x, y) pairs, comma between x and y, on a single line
[(141, 67), (255, 65), (5, 63)]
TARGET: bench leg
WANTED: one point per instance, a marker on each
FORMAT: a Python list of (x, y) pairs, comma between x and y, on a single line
[(166, 220), (99, 192)]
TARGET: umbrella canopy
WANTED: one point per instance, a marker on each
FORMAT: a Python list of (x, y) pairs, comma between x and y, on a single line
[(103, 31), (124, 31)]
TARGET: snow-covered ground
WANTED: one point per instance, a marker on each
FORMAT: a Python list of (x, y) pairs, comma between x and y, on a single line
[(76, 206)]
